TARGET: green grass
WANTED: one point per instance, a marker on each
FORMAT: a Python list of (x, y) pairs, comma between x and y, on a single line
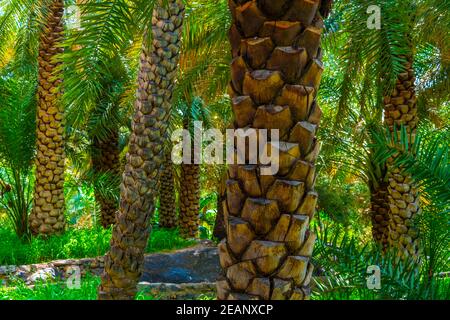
[(18, 290), (166, 240), (76, 244)]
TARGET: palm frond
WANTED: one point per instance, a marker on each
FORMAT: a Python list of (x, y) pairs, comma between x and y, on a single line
[(426, 159)]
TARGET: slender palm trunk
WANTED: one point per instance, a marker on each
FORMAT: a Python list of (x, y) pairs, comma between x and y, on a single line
[(276, 71), (106, 159), (401, 109), (219, 226), (189, 193), (139, 187), (189, 200), (380, 214), (47, 216), (167, 208)]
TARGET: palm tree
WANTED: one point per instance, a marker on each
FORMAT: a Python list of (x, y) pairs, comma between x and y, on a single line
[(204, 67), (103, 124), (35, 31), (219, 231), (96, 118), (276, 71), (189, 200), (167, 204), (32, 32), (386, 58), (186, 113), (401, 110), (105, 159), (157, 72), (47, 216), (203, 72)]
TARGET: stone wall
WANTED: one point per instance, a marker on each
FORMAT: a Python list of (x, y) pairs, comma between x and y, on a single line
[(181, 274), (55, 270)]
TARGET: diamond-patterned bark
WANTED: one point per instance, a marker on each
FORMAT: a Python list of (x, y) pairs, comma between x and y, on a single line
[(47, 216), (189, 200), (403, 198), (276, 71), (140, 180), (106, 159), (167, 209)]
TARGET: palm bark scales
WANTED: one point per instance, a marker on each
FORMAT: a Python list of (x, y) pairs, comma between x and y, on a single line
[(47, 216), (380, 214), (401, 110), (139, 187), (167, 204), (276, 71), (106, 160)]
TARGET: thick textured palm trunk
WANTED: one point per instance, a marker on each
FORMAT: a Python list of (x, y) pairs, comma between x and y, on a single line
[(276, 71), (47, 216), (189, 200), (380, 214), (401, 109), (106, 159), (139, 187), (167, 208)]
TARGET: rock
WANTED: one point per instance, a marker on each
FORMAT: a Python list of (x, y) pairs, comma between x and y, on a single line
[(6, 270), (46, 274), (178, 290), (197, 264), (192, 265)]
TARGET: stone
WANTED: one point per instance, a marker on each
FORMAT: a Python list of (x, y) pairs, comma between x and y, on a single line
[(45, 274)]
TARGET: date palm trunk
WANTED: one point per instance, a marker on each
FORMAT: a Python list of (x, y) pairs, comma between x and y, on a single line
[(276, 71), (219, 231), (380, 214), (189, 200), (106, 159), (167, 201), (140, 180), (47, 216), (403, 198)]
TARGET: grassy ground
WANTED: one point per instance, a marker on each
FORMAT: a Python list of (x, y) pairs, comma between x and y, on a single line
[(75, 244), (57, 291), (89, 285)]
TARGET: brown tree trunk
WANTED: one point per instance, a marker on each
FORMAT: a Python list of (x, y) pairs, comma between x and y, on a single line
[(189, 200), (401, 109), (140, 180), (380, 214), (167, 208), (106, 159), (47, 216), (276, 71), (219, 231)]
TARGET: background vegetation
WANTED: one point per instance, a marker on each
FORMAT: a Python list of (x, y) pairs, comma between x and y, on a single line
[(360, 66)]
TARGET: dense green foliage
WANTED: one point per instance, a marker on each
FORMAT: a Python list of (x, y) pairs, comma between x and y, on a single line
[(58, 291), (361, 65), (76, 243), (343, 259)]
